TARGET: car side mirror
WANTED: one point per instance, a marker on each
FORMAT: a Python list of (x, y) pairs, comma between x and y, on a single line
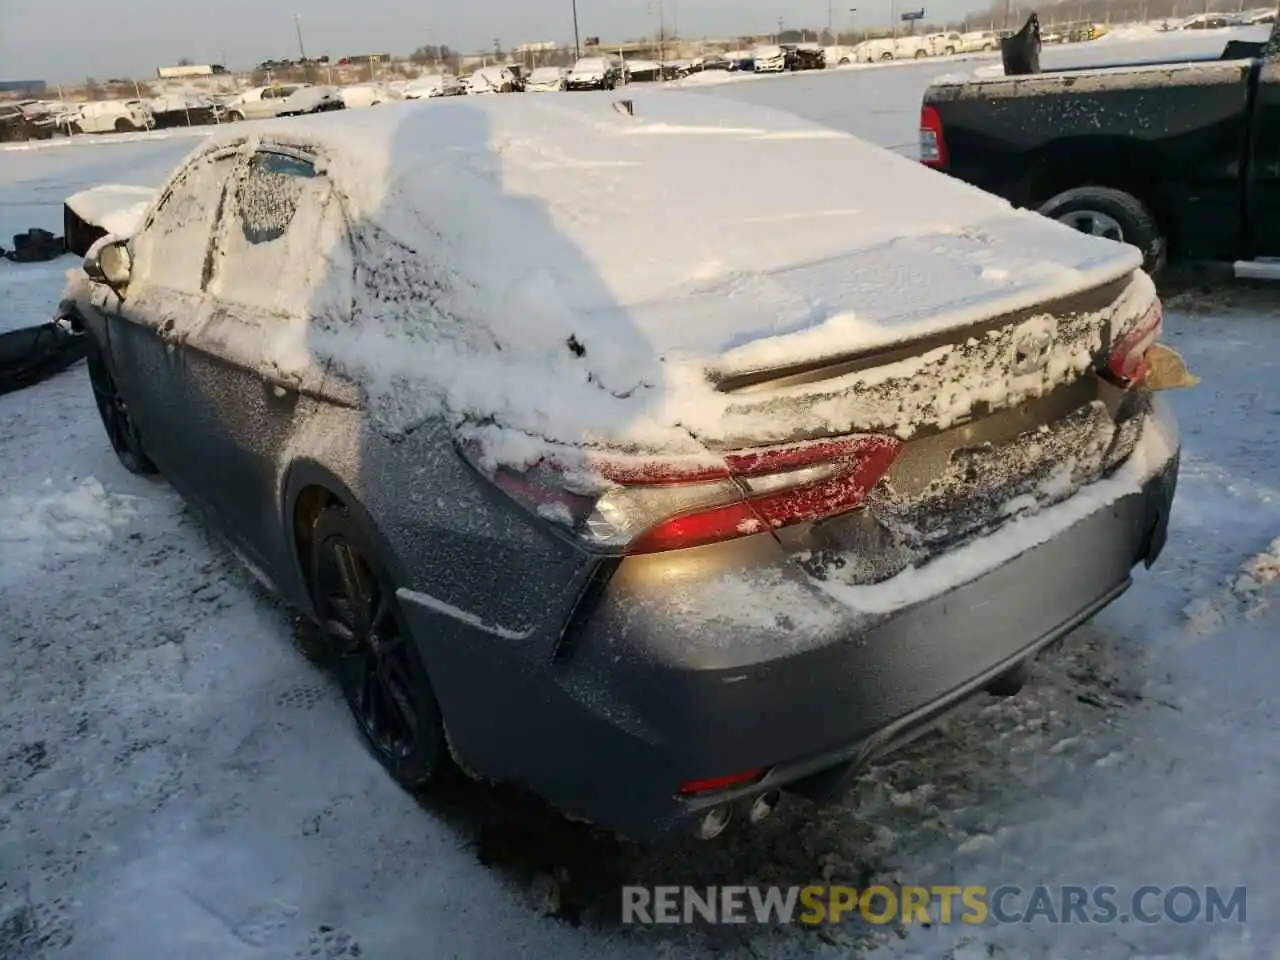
[(109, 261)]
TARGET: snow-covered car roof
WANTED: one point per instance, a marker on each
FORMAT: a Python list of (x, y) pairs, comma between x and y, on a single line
[(590, 63), (866, 248), (768, 51), (547, 73), (117, 209)]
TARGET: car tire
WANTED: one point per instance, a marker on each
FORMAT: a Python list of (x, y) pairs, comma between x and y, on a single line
[(987, 47), (1115, 214), (124, 126), (920, 54), (886, 56), (122, 432), (372, 653), (235, 116), (844, 62)]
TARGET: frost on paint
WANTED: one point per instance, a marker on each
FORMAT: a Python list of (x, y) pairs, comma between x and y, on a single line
[(458, 271)]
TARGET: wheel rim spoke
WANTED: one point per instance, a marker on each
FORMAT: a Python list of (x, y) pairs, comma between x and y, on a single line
[(359, 617)]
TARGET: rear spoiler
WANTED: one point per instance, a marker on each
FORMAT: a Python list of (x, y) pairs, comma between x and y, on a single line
[(1020, 52)]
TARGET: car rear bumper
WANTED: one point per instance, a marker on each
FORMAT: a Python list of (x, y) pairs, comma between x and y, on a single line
[(650, 696)]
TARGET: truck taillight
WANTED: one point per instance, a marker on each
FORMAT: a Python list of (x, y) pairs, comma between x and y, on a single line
[(1127, 364), (933, 145), (651, 506)]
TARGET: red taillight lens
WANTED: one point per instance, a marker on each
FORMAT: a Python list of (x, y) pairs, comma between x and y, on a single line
[(1127, 365), (714, 784), (648, 507), (933, 146)]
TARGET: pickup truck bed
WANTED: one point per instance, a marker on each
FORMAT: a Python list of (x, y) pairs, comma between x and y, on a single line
[(1180, 159)]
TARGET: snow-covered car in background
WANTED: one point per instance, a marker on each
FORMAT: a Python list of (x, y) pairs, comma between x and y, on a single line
[(491, 80), (595, 73), (945, 44), (770, 58), (283, 100), (643, 71), (1208, 21), (311, 99), (651, 549), (840, 56), (547, 80), (110, 116), (26, 120), (978, 41), (369, 94), (894, 48), (434, 85), (183, 110)]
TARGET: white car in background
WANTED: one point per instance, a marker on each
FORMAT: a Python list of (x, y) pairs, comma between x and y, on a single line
[(979, 41), (770, 59), (491, 80), (111, 116), (894, 48), (547, 80), (369, 94), (260, 103), (433, 85)]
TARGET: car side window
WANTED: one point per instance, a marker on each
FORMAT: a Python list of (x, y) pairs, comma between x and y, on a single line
[(173, 246), (283, 241)]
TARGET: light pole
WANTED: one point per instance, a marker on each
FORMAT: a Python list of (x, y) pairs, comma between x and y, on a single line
[(779, 37), (302, 50), (577, 50), (853, 20)]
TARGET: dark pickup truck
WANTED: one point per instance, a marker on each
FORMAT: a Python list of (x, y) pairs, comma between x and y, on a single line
[(1180, 159)]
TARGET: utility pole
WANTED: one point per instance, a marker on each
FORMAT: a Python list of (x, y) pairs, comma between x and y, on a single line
[(853, 23), (779, 37), (662, 33), (831, 35), (577, 49), (302, 50)]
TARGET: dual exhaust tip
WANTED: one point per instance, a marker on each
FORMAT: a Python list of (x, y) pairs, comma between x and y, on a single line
[(716, 820)]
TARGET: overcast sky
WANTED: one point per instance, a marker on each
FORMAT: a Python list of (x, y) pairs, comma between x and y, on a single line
[(65, 40)]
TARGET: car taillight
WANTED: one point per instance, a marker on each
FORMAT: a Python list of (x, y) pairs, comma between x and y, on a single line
[(1127, 364), (933, 146), (635, 507)]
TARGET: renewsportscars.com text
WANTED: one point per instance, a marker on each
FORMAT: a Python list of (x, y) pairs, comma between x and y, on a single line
[(818, 904)]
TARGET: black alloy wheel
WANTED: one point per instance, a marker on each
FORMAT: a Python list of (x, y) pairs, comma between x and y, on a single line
[(369, 647), (121, 431)]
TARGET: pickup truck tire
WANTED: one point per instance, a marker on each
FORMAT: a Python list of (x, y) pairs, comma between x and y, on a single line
[(920, 54), (235, 116), (886, 55), (1111, 213), (125, 126)]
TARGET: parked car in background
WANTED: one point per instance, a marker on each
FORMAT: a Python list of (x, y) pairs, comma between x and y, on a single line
[(891, 48), (595, 73), (808, 56), (945, 44), (491, 80), (1180, 159), (520, 76), (261, 103), (1207, 21), (771, 58), (27, 120), (183, 110), (547, 80), (311, 99), (656, 601), (840, 56), (369, 94), (643, 71), (110, 116), (434, 85), (978, 41)]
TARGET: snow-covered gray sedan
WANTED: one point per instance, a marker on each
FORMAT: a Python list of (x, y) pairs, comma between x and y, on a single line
[(656, 521)]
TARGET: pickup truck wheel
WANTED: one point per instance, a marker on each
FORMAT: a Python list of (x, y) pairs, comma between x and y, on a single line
[(1114, 214), (125, 126), (920, 54), (951, 51), (234, 116), (886, 55)]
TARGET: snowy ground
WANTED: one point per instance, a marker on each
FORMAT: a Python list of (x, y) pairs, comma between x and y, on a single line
[(176, 781)]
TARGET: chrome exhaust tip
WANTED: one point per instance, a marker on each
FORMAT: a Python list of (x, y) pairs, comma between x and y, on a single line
[(714, 822), (764, 805)]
